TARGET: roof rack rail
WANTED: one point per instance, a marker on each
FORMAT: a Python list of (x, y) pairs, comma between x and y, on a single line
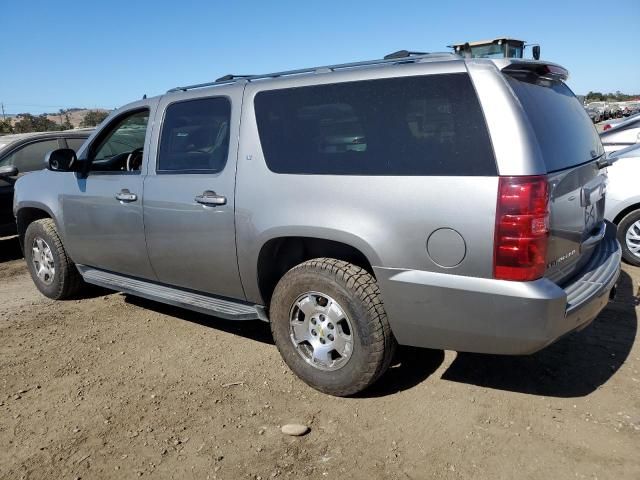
[(403, 54), (396, 58), (231, 76)]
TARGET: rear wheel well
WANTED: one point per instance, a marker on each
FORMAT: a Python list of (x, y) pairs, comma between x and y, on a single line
[(25, 217), (279, 255), (626, 212)]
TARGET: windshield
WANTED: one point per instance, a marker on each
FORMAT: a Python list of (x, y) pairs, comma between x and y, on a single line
[(488, 51), (564, 131)]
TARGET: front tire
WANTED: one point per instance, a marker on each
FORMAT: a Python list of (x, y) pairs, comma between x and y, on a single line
[(629, 237), (330, 326), (51, 269)]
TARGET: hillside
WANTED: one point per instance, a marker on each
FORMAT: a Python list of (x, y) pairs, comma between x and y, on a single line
[(75, 116)]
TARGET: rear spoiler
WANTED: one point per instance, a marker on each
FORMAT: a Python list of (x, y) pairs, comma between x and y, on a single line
[(544, 70)]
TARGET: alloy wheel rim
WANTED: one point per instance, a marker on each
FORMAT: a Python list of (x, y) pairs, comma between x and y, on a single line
[(632, 238), (321, 331), (42, 260)]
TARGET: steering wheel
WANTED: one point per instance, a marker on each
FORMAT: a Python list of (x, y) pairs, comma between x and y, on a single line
[(134, 160)]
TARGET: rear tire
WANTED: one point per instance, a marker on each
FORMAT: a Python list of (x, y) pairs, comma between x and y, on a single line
[(629, 237), (354, 350), (51, 269)]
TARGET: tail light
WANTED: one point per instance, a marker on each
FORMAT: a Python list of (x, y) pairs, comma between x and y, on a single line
[(606, 127), (522, 228)]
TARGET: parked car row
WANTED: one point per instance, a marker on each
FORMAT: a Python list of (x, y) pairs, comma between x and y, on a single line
[(601, 111)]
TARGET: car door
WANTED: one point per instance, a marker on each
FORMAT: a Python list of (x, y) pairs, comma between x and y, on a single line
[(189, 198), (26, 157), (103, 209)]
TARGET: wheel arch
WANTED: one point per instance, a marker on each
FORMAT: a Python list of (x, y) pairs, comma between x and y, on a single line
[(626, 211), (279, 254), (29, 213)]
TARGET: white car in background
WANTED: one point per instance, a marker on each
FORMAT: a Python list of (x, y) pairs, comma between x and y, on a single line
[(621, 134), (623, 200)]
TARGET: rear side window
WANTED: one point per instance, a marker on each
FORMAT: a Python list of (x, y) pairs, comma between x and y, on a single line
[(31, 157), (564, 131), (75, 143), (195, 136), (427, 125)]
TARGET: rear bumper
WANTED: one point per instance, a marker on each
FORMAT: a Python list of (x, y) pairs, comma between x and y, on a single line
[(469, 314)]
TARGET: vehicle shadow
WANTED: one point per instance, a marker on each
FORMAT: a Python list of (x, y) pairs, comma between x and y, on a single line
[(575, 366), (256, 330), (410, 367), (10, 249)]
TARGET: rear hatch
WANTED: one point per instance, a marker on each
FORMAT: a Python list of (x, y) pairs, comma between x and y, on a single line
[(571, 149)]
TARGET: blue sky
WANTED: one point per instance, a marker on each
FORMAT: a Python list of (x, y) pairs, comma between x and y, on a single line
[(60, 54)]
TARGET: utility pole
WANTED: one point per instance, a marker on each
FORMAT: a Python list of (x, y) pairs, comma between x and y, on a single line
[(3, 117)]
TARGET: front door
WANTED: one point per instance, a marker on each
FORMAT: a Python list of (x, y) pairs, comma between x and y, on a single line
[(102, 211), (189, 199)]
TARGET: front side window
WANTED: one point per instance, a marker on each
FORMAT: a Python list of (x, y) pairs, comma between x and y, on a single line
[(427, 125), (31, 157), (121, 148), (195, 136)]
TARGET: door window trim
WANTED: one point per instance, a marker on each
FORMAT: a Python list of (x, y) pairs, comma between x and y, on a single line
[(187, 171), (90, 150)]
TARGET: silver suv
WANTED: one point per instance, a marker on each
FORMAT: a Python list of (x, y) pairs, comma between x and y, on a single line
[(429, 200)]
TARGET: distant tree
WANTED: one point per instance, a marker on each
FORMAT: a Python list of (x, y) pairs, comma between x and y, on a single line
[(594, 97), (67, 125), (5, 126), (30, 123), (93, 118)]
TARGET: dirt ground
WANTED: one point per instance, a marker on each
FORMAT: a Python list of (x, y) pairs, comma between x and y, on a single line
[(112, 386)]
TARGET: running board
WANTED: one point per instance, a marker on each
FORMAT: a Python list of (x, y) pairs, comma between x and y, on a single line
[(223, 308)]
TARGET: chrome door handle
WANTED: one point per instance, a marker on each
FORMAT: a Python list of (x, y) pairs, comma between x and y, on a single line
[(211, 198), (126, 196)]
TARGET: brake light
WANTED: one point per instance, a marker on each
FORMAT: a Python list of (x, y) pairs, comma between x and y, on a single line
[(522, 228), (607, 126)]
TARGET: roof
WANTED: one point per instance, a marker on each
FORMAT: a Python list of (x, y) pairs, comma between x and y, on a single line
[(395, 58), (13, 138), (486, 42)]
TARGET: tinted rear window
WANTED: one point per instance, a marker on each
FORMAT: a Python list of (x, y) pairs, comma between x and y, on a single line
[(427, 125), (564, 131)]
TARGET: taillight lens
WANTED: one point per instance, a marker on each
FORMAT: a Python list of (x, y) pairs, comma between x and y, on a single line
[(522, 228), (606, 127)]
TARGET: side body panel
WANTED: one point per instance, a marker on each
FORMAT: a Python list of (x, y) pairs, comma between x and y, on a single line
[(388, 219), (623, 190)]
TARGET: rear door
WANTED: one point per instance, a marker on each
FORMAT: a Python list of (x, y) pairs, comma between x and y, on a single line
[(189, 198), (570, 147)]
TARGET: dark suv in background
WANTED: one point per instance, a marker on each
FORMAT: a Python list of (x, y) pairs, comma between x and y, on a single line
[(23, 153)]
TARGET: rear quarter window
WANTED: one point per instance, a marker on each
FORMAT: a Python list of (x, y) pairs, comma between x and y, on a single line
[(427, 125)]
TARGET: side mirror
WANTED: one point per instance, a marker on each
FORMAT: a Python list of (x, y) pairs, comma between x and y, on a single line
[(536, 52), (62, 160), (8, 171)]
